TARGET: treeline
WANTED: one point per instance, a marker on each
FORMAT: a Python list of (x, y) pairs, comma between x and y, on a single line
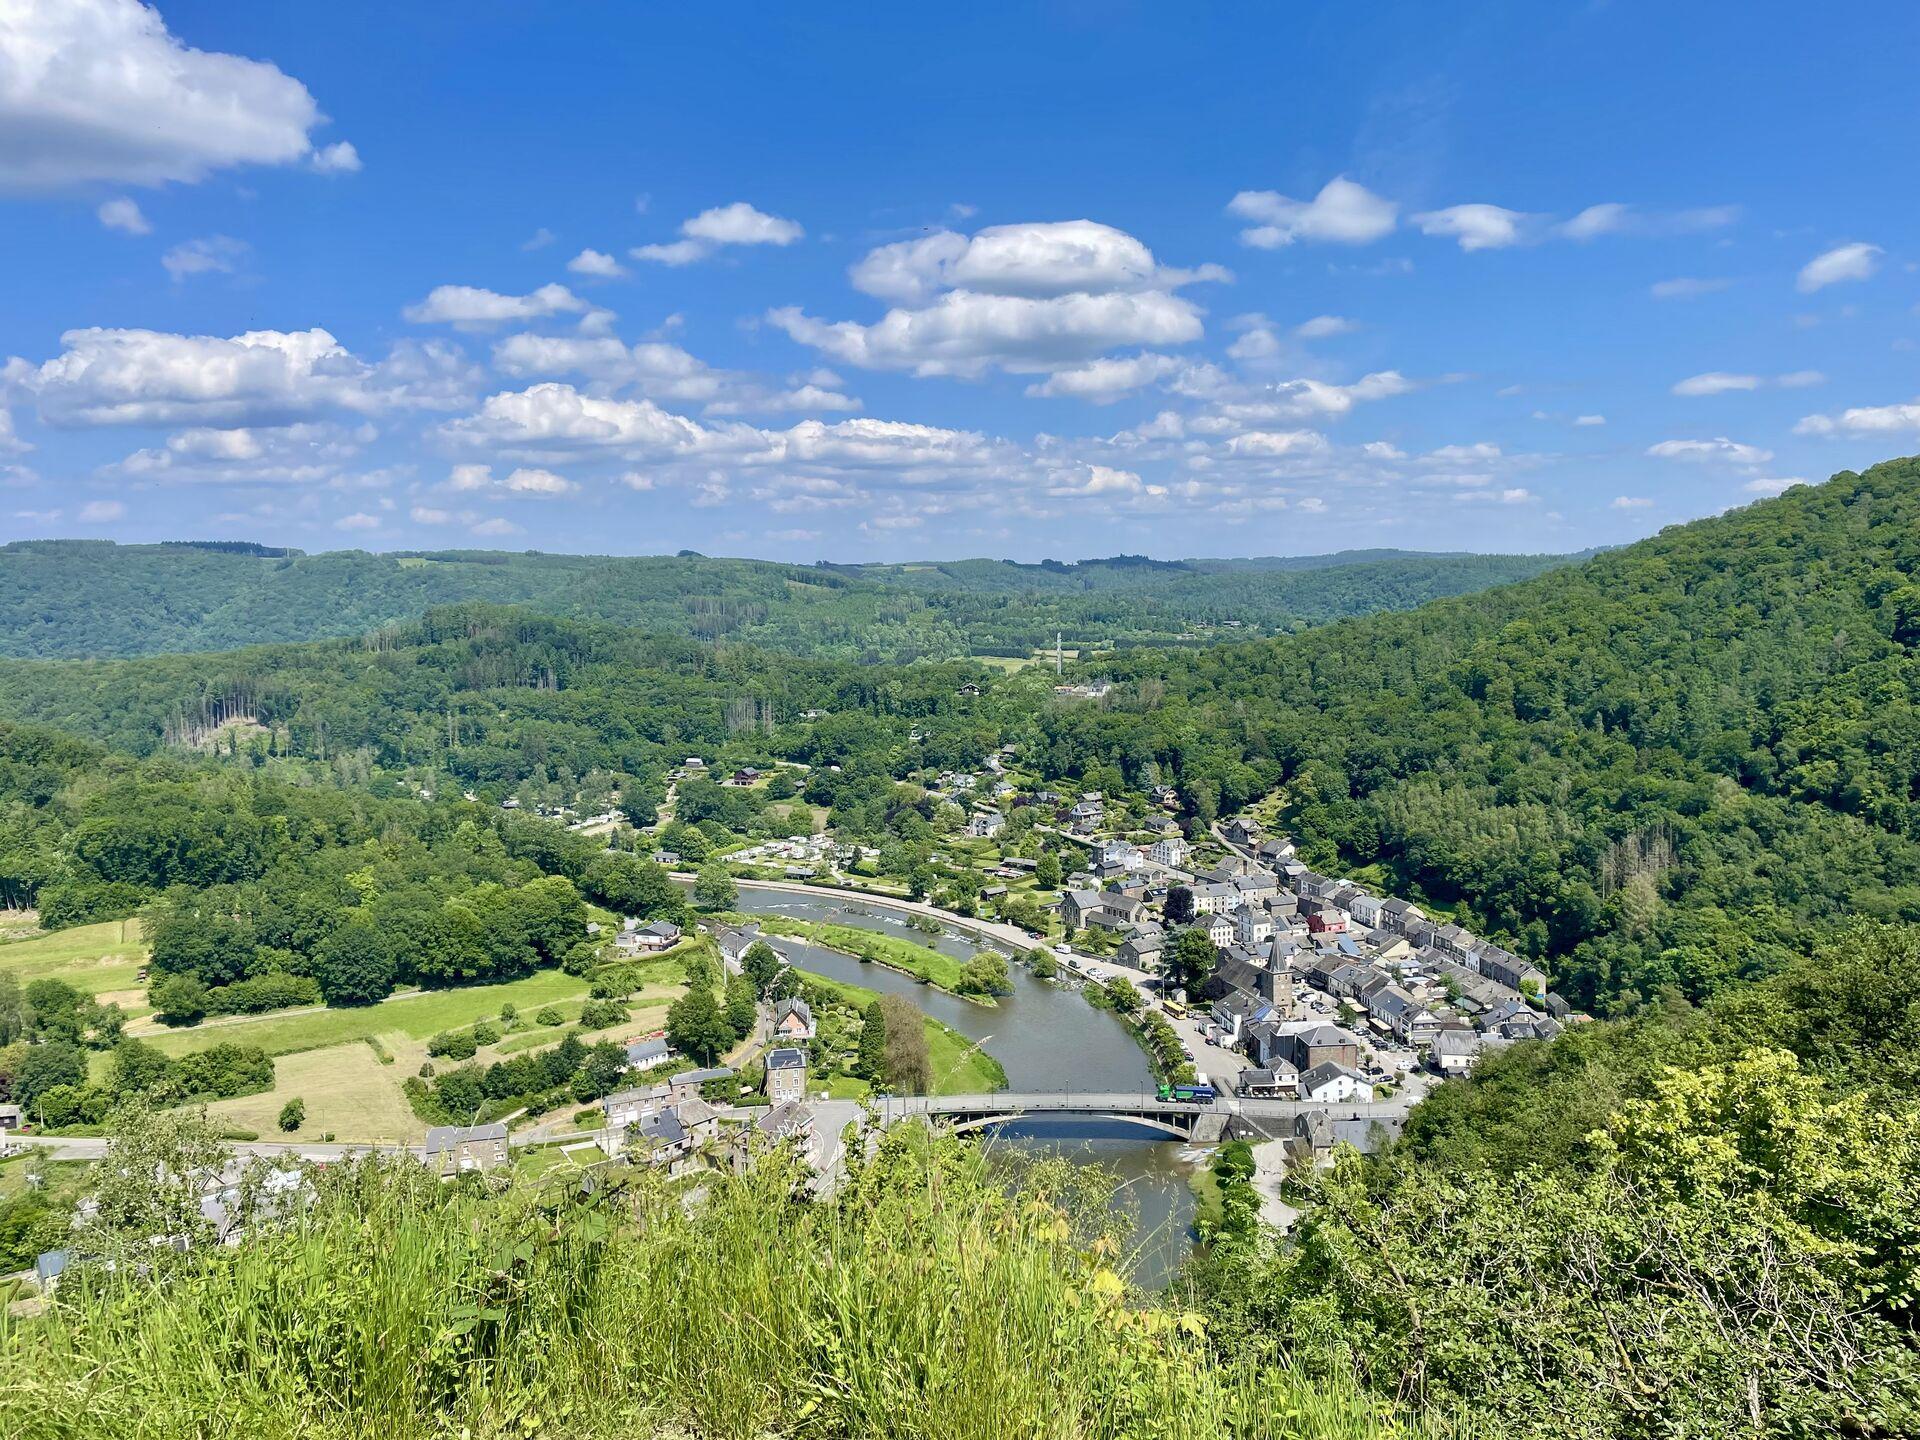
[(73, 598), (1697, 1223)]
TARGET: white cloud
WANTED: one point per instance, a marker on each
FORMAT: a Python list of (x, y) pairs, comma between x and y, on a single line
[(964, 332), (1772, 485), (339, 158), (1857, 261), (306, 453), (1343, 213), (1614, 218), (98, 91), (1272, 444), (10, 443), (495, 526), (359, 520), (429, 515), (1322, 327), (1476, 227), (1716, 382), (122, 213), (1029, 298), (468, 307), (1630, 502), (596, 265), (1716, 451), (555, 416), (539, 240), (1863, 420), (1589, 420), (213, 255), (525, 483), (1719, 382), (1038, 261), (663, 372), (101, 512), (735, 224), (1106, 380), (741, 224), (148, 377)]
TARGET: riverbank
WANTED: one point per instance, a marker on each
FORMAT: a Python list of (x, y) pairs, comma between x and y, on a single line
[(928, 966), (960, 1066)]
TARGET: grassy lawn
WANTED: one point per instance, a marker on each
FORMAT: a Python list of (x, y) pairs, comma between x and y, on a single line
[(104, 960), (347, 1091), (942, 971), (415, 1014), (959, 1066)]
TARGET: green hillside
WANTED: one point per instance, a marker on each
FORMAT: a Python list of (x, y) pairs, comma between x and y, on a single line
[(94, 598)]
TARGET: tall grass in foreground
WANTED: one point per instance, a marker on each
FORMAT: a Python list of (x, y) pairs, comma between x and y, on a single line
[(925, 1301)]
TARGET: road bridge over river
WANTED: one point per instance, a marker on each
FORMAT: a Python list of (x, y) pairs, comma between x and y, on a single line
[(1200, 1124)]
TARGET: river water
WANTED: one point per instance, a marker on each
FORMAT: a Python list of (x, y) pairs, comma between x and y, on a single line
[(1047, 1038)]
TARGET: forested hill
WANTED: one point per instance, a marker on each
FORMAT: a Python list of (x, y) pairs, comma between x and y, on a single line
[(1661, 769), (74, 598)]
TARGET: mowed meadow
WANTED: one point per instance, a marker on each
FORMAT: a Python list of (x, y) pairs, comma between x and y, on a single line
[(347, 1064)]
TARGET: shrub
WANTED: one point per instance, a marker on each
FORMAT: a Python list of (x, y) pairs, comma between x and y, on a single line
[(453, 1044), (293, 1114)]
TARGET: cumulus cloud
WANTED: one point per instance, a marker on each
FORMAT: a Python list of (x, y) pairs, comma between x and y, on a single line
[(263, 377), (498, 525), (10, 442), (1707, 452), (596, 265), (468, 307), (710, 230), (214, 255), (1475, 227), (98, 91), (102, 512), (1630, 502), (1863, 420), (1343, 213), (1772, 485), (1042, 298), (1857, 261), (303, 453), (359, 520), (339, 158), (1106, 380), (1589, 420), (123, 214), (524, 483), (664, 372)]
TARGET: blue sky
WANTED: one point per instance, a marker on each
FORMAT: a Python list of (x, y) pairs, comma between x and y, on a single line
[(883, 282)]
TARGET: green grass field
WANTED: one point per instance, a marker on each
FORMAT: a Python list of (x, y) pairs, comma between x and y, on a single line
[(959, 1066), (104, 960), (942, 971), (415, 1014)]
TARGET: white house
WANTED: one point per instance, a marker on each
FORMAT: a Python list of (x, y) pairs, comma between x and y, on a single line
[(1332, 1084), (1252, 926)]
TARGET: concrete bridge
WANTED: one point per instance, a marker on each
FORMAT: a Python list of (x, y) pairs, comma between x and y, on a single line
[(1227, 1118)]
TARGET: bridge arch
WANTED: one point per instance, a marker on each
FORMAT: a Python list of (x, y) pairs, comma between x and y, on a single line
[(962, 1124)]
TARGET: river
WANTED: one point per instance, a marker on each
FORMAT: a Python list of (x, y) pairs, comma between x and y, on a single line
[(1047, 1038)]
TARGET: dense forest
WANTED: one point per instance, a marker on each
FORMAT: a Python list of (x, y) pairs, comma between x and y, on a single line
[(94, 598), (1661, 770), (1682, 773)]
